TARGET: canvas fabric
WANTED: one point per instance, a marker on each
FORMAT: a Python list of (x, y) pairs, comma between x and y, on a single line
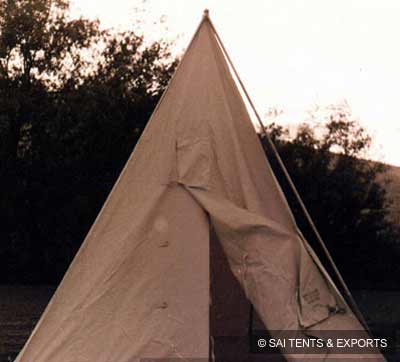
[(140, 284)]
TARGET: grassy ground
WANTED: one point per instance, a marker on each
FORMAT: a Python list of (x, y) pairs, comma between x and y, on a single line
[(21, 307)]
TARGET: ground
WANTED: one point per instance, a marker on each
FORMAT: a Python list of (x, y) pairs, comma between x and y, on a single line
[(21, 307)]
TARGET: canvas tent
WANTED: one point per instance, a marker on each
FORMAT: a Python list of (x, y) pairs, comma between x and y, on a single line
[(198, 180)]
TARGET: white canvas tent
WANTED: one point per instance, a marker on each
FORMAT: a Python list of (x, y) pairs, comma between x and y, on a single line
[(139, 286)]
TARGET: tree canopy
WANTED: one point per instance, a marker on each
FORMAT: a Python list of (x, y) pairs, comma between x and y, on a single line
[(74, 99), (342, 190)]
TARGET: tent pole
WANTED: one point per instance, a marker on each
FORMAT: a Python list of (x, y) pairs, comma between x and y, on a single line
[(351, 300)]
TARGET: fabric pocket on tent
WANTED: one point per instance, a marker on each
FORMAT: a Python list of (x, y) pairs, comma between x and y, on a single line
[(193, 162)]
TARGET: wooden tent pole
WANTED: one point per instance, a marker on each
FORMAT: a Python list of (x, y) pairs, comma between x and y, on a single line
[(351, 300)]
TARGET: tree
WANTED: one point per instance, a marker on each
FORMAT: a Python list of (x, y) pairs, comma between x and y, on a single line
[(340, 188), (39, 50), (74, 99)]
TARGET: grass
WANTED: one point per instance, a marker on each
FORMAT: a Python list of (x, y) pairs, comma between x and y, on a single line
[(21, 307)]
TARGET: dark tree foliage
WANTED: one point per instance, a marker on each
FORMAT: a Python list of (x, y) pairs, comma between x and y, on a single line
[(343, 194), (74, 99)]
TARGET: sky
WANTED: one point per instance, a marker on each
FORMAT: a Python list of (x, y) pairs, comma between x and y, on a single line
[(292, 55)]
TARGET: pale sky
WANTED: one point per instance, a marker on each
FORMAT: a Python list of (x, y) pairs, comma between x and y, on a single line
[(292, 54)]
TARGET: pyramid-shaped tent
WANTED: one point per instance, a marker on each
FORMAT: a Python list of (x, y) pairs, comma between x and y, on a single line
[(139, 286)]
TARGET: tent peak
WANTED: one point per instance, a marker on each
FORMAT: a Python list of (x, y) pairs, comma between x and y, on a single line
[(206, 13)]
